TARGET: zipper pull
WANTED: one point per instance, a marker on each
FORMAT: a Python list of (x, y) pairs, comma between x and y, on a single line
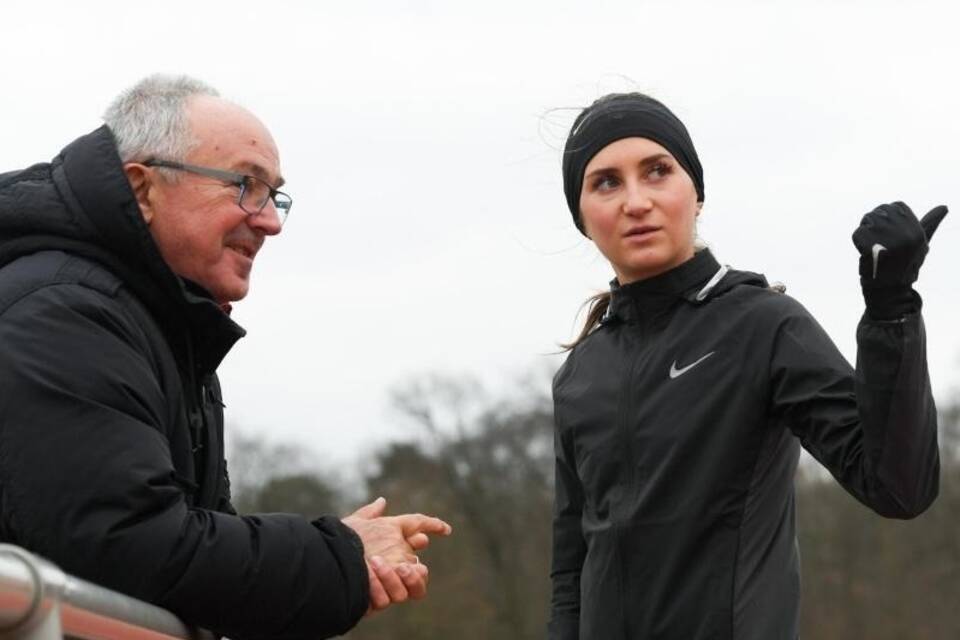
[(196, 430)]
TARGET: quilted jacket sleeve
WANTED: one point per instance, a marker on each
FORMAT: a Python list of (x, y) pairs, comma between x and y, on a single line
[(87, 481)]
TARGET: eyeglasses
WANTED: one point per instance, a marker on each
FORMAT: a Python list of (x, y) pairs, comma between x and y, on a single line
[(254, 192)]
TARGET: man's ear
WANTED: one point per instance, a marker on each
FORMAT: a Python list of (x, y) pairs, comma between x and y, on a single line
[(142, 184)]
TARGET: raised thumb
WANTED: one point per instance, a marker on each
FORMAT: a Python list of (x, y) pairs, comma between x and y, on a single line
[(373, 510), (932, 220)]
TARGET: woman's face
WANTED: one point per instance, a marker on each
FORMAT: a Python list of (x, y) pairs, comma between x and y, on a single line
[(639, 207)]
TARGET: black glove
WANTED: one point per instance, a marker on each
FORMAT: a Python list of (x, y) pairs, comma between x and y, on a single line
[(892, 245)]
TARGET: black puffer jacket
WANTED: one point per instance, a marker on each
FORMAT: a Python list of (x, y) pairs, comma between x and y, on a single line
[(678, 423), (111, 424)]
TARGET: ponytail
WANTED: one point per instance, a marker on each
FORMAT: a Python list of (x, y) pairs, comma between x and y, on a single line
[(597, 306)]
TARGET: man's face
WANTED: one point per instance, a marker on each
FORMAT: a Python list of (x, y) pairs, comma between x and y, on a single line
[(196, 221)]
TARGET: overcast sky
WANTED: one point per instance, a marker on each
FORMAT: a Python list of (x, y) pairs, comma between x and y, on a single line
[(420, 142)]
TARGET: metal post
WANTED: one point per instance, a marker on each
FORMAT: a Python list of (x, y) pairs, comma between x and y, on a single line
[(38, 601), (27, 612)]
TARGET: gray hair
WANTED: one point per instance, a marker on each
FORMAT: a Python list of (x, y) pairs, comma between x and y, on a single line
[(149, 119)]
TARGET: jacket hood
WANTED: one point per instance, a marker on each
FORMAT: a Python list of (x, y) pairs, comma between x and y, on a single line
[(82, 203), (695, 281)]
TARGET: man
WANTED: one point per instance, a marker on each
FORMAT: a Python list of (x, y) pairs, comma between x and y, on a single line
[(118, 264)]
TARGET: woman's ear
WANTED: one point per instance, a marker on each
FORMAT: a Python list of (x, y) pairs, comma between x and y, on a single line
[(142, 185)]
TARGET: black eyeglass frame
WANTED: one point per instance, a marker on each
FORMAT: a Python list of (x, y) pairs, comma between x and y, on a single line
[(283, 205)]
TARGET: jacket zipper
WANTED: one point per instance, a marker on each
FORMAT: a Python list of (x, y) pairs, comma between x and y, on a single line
[(634, 353)]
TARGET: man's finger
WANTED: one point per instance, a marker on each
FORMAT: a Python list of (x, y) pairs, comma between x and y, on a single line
[(422, 569), (413, 523), (391, 581), (932, 220), (414, 578), (378, 595), (419, 541), (373, 510)]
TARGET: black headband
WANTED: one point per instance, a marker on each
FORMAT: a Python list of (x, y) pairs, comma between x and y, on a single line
[(617, 116)]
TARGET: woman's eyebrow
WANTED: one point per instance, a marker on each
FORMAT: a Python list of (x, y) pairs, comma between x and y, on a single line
[(654, 158), (643, 163), (599, 171)]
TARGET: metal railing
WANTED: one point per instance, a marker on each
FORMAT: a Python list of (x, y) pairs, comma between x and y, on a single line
[(38, 601)]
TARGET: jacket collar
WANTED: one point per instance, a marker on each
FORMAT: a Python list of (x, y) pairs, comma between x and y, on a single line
[(645, 298), (91, 180)]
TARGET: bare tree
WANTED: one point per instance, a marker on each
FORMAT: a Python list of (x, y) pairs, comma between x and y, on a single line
[(486, 466)]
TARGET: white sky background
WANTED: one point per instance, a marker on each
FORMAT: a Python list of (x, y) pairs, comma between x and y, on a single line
[(429, 231)]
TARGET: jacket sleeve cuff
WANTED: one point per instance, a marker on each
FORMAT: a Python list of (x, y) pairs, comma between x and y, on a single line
[(348, 549), (890, 303)]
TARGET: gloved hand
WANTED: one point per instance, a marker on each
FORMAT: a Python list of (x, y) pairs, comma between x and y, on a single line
[(892, 245)]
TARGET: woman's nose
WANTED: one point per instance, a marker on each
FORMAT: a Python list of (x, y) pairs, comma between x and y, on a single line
[(636, 199)]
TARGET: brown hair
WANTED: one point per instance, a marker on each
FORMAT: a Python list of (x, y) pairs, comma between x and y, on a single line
[(596, 306)]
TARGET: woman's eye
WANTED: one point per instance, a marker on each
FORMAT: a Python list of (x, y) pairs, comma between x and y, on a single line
[(659, 170), (605, 183)]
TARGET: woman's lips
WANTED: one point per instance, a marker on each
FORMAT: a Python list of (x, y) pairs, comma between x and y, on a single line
[(640, 233)]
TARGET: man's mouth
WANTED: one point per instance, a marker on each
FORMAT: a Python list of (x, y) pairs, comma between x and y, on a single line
[(245, 251)]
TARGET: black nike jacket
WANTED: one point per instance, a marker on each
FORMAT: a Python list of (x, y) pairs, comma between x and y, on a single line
[(678, 427)]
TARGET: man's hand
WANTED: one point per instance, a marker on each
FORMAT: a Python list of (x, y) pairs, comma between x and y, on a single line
[(892, 245), (393, 584), (389, 544)]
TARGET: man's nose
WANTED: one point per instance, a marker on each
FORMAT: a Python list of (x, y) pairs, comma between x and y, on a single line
[(267, 221)]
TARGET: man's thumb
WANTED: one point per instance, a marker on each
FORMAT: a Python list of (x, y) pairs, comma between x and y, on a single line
[(373, 510), (932, 220)]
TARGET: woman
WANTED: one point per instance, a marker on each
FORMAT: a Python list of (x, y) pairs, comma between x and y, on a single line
[(682, 405)]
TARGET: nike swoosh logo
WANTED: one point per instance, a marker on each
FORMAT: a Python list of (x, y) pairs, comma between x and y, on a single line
[(877, 248), (676, 373)]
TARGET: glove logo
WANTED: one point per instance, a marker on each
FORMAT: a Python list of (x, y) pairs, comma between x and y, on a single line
[(877, 248), (676, 373)]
